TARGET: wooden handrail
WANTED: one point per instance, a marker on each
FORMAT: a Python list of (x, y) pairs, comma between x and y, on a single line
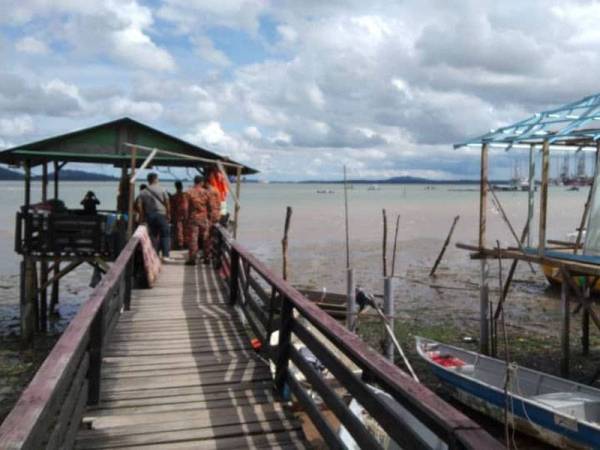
[(448, 423), (29, 423)]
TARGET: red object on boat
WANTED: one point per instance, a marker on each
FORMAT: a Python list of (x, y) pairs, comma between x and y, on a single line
[(447, 361), (256, 344)]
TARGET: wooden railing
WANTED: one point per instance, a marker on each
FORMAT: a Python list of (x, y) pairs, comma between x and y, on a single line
[(48, 413), (286, 310)]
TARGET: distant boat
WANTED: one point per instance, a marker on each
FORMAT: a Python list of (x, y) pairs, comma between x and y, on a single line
[(325, 191), (558, 411), (373, 187)]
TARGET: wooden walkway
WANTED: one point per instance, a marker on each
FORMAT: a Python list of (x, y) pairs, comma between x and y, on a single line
[(179, 372)]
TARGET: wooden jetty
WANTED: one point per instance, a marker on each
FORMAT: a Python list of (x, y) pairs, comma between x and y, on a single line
[(172, 367)]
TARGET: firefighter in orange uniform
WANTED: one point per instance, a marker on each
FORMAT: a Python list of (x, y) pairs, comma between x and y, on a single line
[(214, 213), (198, 221), (179, 214)]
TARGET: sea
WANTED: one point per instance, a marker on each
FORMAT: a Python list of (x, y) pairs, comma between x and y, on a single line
[(317, 244)]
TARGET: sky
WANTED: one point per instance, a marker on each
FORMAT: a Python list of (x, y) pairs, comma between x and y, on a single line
[(297, 89)]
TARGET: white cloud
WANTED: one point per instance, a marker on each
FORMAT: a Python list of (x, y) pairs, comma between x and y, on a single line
[(31, 45), (207, 51), (15, 126)]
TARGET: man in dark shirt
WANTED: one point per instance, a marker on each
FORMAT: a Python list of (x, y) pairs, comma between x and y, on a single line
[(155, 202)]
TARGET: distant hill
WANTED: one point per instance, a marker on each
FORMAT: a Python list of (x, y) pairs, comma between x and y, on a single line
[(400, 180), (9, 175), (65, 175)]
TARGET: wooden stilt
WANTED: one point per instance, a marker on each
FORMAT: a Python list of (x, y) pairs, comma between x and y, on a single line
[(388, 310), (484, 283), (27, 302), (544, 198), (531, 191), (54, 296), (43, 308), (564, 331)]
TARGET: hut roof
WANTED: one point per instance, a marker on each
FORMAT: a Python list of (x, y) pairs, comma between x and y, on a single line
[(573, 125), (107, 144)]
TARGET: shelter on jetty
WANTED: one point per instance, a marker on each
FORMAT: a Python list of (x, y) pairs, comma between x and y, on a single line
[(571, 127), (53, 244)]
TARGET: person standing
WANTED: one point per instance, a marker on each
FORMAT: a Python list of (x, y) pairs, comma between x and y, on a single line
[(198, 204), (179, 206), (214, 213), (155, 202)]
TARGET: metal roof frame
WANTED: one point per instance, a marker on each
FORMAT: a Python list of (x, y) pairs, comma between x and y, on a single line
[(570, 125)]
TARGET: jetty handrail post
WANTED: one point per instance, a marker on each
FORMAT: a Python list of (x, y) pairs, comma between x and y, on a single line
[(351, 300), (233, 276), (128, 284), (484, 266), (95, 352), (388, 311), (284, 345)]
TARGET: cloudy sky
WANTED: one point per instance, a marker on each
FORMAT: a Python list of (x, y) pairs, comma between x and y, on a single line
[(298, 88)]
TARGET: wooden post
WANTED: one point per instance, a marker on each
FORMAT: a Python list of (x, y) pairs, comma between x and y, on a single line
[(564, 331), (531, 191), (484, 332), (56, 283), (350, 300), (446, 242), (95, 352), (283, 354), (384, 244), (43, 316), (236, 211), (544, 197), (346, 222), (28, 274), (388, 310), (131, 194), (284, 241), (395, 245), (128, 283), (233, 277)]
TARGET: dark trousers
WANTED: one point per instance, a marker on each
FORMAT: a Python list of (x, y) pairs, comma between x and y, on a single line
[(159, 226)]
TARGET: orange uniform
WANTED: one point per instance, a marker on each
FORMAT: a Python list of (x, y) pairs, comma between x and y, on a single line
[(179, 213), (197, 223)]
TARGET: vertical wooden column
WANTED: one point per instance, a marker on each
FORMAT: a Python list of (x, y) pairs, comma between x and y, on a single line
[(131, 194), (388, 310), (55, 284), (531, 193), (236, 211), (43, 309), (233, 276), (95, 352), (28, 274), (283, 351), (484, 291), (544, 197), (564, 330)]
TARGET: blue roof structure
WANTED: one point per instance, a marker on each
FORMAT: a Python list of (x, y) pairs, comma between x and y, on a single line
[(575, 124)]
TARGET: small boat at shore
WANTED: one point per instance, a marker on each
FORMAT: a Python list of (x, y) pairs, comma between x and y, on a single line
[(558, 411)]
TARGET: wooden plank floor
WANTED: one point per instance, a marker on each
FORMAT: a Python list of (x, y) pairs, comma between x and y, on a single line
[(179, 372)]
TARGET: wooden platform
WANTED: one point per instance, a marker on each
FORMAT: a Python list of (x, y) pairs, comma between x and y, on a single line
[(179, 372)]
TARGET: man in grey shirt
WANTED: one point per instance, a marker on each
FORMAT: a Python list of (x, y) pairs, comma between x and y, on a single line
[(155, 202)]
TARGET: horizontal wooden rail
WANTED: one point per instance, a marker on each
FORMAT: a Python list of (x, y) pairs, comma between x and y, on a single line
[(49, 411), (450, 425)]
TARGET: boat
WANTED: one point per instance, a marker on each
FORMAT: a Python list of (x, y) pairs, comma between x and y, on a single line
[(373, 187), (555, 410)]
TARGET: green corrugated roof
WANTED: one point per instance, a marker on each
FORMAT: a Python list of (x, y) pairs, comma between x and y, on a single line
[(104, 144)]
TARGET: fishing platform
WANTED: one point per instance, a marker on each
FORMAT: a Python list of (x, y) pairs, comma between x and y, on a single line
[(574, 265)]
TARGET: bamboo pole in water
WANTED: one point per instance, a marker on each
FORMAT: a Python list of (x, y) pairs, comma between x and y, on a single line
[(443, 250), (384, 244), (284, 242), (395, 246)]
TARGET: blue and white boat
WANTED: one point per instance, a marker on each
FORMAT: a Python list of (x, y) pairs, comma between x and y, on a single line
[(558, 411)]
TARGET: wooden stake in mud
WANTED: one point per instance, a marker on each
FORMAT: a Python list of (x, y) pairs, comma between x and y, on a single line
[(384, 244), (346, 220), (510, 227), (388, 310), (284, 241), (484, 283), (395, 246), (443, 250)]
